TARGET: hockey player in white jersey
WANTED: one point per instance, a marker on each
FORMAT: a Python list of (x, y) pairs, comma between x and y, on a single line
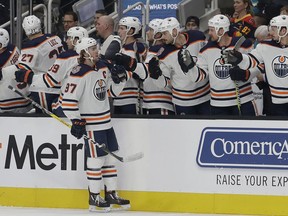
[(38, 55), (129, 101), (225, 98), (274, 55), (188, 97), (57, 74), (9, 100), (156, 100), (85, 103)]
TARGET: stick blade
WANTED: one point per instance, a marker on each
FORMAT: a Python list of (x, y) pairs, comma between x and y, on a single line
[(133, 157), (10, 87), (239, 43)]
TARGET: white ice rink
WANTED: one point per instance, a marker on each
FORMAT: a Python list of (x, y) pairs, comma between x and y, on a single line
[(13, 211)]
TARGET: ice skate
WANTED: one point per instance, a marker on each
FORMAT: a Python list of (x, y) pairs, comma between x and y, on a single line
[(97, 203), (116, 202)]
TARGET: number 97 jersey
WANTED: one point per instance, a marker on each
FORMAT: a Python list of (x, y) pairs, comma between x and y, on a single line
[(40, 53)]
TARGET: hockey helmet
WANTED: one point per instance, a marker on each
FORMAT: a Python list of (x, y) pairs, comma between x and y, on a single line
[(155, 25), (219, 21), (279, 21), (4, 37), (131, 22), (168, 24), (31, 25), (77, 32), (84, 44)]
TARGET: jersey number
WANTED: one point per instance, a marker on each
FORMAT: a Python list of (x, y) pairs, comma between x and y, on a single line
[(55, 52), (27, 58), (54, 68), (70, 87)]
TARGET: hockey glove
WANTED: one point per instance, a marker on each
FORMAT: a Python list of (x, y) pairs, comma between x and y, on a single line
[(238, 74), (231, 57), (136, 77), (78, 128), (154, 69), (24, 76), (260, 85), (118, 73), (185, 60), (128, 62)]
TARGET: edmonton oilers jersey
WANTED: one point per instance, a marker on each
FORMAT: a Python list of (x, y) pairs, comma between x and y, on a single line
[(222, 88), (85, 95), (275, 58), (185, 92)]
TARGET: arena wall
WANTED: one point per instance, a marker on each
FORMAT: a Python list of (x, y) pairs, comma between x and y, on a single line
[(189, 165)]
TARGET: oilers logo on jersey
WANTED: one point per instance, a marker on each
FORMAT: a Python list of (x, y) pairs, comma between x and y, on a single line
[(75, 69), (100, 90), (280, 66), (160, 51), (221, 70)]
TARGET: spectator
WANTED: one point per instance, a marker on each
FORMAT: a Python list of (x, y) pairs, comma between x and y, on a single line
[(192, 23), (260, 19), (4, 11), (70, 19), (270, 8), (284, 10), (242, 22)]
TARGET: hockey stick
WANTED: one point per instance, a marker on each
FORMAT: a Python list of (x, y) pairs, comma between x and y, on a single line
[(238, 100), (140, 83), (237, 47), (133, 157)]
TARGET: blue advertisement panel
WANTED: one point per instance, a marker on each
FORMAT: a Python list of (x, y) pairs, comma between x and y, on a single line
[(243, 147), (158, 8)]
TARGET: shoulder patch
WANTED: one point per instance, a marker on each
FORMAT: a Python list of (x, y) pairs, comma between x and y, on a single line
[(160, 51), (76, 69)]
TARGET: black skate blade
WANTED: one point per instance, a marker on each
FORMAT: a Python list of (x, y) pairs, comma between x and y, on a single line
[(116, 207), (98, 209)]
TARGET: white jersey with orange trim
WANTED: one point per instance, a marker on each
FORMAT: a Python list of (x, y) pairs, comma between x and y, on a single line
[(86, 95), (210, 65), (39, 54), (130, 93), (185, 92), (275, 58), (58, 72), (155, 97), (9, 100)]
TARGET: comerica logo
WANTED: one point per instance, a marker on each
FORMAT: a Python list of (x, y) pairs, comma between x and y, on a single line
[(243, 147), (221, 147), (46, 155)]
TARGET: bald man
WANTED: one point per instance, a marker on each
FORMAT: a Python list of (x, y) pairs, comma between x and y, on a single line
[(112, 43)]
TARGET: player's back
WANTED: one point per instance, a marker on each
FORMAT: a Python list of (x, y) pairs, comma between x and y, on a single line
[(40, 53), (9, 100)]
